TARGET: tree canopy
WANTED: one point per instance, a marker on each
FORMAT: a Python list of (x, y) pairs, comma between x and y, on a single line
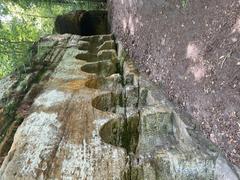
[(24, 21)]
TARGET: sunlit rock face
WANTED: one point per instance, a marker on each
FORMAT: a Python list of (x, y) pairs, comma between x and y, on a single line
[(59, 137), (90, 115), (84, 23)]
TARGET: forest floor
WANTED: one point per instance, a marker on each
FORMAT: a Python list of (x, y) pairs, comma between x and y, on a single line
[(192, 51)]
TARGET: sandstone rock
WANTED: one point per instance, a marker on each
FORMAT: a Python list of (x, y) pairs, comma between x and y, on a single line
[(94, 118)]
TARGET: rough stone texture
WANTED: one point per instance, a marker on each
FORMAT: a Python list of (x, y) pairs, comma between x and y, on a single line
[(97, 118), (191, 49), (19, 90), (5, 84), (60, 136)]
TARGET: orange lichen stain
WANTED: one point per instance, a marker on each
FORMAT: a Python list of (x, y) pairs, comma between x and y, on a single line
[(79, 119), (93, 83), (73, 85)]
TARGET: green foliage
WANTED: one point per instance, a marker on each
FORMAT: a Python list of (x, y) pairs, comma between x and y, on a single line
[(24, 21), (184, 3)]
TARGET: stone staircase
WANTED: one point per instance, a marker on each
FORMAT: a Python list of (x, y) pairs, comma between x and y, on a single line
[(95, 117)]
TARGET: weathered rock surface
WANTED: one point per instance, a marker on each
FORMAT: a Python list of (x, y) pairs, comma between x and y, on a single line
[(19, 90), (95, 117)]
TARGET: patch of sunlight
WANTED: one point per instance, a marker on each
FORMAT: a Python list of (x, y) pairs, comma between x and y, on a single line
[(6, 18)]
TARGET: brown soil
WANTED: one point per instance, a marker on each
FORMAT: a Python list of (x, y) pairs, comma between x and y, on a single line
[(193, 53)]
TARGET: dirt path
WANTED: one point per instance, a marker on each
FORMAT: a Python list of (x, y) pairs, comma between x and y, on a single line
[(193, 52)]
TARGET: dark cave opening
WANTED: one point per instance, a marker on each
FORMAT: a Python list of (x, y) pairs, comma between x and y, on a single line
[(84, 23)]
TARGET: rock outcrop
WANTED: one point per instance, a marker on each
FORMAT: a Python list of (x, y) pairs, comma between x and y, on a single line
[(88, 114)]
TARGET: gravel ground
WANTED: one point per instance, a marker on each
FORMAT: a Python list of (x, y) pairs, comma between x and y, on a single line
[(192, 51)]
